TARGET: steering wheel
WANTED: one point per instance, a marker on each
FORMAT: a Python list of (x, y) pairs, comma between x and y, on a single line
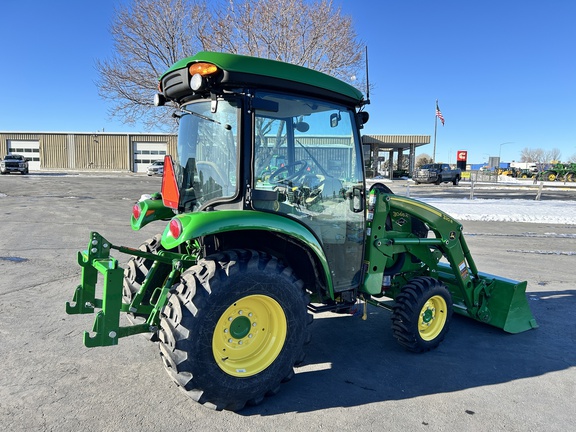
[(299, 166)]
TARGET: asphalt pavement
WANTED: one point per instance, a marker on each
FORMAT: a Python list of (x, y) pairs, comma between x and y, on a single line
[(355, 377)]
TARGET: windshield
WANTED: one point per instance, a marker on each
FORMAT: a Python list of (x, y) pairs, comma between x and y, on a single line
[(207, 150)]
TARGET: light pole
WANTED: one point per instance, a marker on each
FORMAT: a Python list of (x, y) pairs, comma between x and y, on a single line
[(499, 154), (500, 151)]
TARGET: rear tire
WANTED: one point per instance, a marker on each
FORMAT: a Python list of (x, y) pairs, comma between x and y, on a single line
[(422, 314), (233, 329)]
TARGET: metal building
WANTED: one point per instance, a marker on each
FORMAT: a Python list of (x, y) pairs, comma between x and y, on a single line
[(88, 151)]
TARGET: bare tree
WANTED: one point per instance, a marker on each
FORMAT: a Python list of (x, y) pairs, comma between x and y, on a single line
[(423, 159), (553, 155), (150, 35), (311, 34), (540, 157), (530, 155)]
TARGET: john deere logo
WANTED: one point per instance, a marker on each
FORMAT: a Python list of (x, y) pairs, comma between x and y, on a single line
[(400, 221)]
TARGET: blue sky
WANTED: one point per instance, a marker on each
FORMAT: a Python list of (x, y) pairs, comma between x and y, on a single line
[(503, 71)]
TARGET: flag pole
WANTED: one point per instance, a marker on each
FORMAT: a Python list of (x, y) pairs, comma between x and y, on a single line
[(435, 128)]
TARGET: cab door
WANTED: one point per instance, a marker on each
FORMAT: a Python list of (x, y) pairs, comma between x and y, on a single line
[(307, 154)]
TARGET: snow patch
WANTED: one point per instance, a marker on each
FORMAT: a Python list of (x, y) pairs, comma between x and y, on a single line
[(492, 210)]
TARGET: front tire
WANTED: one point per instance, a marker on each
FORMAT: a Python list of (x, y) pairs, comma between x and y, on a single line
[(233, 329), (422, 314)]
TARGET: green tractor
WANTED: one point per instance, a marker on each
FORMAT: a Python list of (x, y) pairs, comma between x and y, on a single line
[(246, 257), (560, 171)]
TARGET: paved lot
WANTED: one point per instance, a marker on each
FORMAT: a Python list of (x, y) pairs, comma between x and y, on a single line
[(355, 377)]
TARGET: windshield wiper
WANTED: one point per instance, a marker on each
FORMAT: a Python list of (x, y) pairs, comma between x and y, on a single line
[(203, 117)]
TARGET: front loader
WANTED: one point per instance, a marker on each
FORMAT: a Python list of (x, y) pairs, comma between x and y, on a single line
[(267, 220)]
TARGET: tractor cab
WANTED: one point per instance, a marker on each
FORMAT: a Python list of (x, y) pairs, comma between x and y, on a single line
[(284, 150)]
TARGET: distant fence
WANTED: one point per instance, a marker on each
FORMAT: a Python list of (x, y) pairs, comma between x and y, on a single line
[(480, 176)]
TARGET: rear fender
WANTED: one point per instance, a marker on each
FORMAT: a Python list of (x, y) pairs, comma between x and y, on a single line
[(150, 210), (200, 224)]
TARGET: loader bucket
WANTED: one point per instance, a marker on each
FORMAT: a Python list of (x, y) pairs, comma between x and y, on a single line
[(508, 306), (505, 304)]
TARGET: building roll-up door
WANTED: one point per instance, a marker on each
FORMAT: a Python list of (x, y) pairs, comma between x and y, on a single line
[(29, 149), (146, 152)]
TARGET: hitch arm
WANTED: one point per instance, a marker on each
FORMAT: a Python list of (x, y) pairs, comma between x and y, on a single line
[(107, 321)]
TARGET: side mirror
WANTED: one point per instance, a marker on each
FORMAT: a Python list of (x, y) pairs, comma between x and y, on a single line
[(363, 117), (302, 126), (334, 119)]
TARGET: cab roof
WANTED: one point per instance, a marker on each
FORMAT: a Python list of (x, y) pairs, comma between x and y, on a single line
[(245, 70)]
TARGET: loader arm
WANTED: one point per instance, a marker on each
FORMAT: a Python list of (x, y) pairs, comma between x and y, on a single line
[(487, 298)]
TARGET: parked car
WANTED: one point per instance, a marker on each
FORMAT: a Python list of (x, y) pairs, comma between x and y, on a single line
[(437, 173), (157, 168), (14, 163)]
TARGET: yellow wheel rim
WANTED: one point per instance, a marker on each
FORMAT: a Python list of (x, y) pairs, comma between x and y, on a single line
[(249, 335), (432, 318)]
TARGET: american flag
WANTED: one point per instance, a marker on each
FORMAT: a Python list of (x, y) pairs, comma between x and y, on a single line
[(439, 114)]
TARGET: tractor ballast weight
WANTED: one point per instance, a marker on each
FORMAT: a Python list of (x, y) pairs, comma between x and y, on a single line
[(267, 220)]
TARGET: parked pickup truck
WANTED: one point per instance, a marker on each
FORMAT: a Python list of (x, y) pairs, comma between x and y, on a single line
[(437, 173), (13, 163)]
